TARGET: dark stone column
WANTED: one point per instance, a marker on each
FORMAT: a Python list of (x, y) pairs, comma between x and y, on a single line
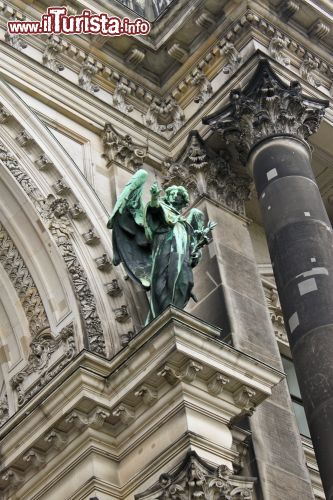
[(267, 124)]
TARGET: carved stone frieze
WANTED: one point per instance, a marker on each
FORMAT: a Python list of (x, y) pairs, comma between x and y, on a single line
[(277, 47), (201, 81), (123, 90), (194, 478), (165, 116), (201, 171), (23, 283), (53, 48), (266, 107), (40, 362), (60, 227), (122, 149)]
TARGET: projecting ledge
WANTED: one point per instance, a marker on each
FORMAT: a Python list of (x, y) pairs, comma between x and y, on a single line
[(175, 389)]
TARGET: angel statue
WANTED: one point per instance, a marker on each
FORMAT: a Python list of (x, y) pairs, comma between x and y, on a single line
[(157, 245)]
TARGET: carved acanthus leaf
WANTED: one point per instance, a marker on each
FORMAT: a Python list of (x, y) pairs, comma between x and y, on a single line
[(88, 70), (266, 107), (201, 171), (122, 149), (123, 90), (165, 116), (201, 81), (307, 70), (276, 49), (53, 48), (194, 478), (232, 57)]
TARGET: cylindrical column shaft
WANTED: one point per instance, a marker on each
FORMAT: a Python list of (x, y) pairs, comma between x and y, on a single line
[(300, 242)]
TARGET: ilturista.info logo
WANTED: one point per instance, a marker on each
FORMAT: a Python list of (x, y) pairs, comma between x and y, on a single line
[(57, 21)]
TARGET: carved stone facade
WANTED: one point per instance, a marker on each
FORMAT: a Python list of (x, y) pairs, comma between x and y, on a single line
[(95, 403)]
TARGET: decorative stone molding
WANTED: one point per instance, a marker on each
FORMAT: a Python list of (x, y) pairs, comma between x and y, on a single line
[(122, 149), (266, 107), (61, 187), (4, 410), (95, 419), (35, 459), (201, 81), (288, 8), (195, 478), (15, 41), (90, 237), (201, 171), (232, 56), (23, 139), (60, 228), (169, 374), (125, 338), (147, 393), (88, 70), (113, 289), (165, 116), (319, 30), (243, 398), (40, 362), (13, 477), (53, 48), (124, 413), (24, 284), (178, 52), (56, 439), (121, 314), (76, 211), (216, 383), (103, 263), (135, 56), (308, 68), (205, 20), (122, 91), (192, 368), (188, 374), (276, 49), (275, 311), (4, 114), (43, 162)]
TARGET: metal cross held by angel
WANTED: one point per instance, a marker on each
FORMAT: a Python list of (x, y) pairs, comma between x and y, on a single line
[(157, 245)]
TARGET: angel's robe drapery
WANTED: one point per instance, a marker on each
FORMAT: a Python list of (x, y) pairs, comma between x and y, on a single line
[(171, 275)]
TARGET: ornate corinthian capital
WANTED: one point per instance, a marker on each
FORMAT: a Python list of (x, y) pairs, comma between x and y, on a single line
[(266, 107)]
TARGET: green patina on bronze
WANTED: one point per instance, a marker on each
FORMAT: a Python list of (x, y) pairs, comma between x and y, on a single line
[(157, 245)]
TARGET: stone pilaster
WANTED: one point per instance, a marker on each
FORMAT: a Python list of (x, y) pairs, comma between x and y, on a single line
[(267, 125)]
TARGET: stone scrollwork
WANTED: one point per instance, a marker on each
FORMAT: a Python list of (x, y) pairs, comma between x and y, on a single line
[(40, 362), (201, 81), (276, 49), (122, 149), (60, 227), (266, 107), (53, 48), (87, 72), (23, 283), (4, 410), (201, 171), (194, 478)]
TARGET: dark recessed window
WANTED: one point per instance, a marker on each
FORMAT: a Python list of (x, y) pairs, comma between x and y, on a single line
[(289, 369)]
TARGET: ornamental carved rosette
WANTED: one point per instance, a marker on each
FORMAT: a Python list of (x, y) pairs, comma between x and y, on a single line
[(266, 107)]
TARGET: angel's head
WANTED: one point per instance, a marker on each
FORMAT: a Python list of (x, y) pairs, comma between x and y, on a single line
[(177, 197)]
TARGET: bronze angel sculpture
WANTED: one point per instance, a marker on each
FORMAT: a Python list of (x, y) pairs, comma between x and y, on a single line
[(157, 245)]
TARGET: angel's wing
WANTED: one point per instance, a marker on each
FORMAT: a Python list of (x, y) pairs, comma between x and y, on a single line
[(130, 245)]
